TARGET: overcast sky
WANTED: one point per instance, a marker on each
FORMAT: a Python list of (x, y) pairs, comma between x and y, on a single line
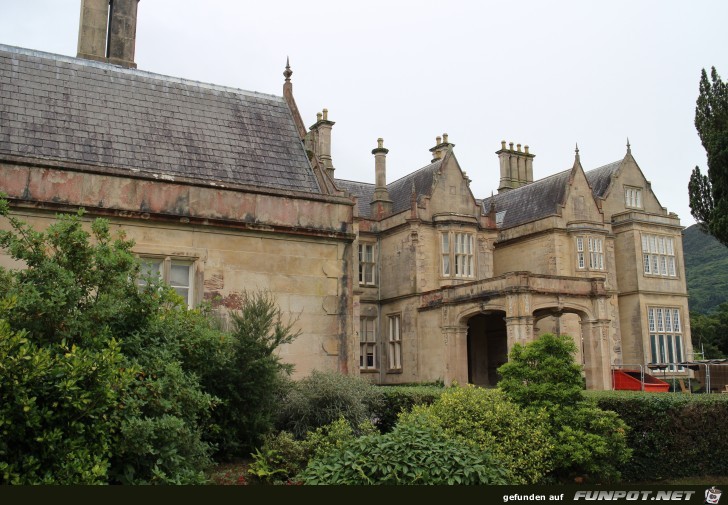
[(548, 74)]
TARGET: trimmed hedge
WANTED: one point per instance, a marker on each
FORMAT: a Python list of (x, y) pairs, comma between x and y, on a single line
[(396, 399), (672, 435)]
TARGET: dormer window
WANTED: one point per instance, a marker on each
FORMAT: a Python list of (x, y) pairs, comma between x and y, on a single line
[(633, 197)]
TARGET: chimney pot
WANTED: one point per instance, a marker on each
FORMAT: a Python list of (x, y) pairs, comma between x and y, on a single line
[(326, 114), (318, 116), (444, 138), (438, 140), (510, 144), (503, 144), (526, 148), (380, 142), (518, 146)]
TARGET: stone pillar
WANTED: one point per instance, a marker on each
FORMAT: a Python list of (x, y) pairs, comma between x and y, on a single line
[(519, 330), (597, 362), (381, 203), (92, 29), (456, 354)]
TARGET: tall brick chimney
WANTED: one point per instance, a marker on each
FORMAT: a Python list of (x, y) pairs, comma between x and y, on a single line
[(516, 166), (107, 31)]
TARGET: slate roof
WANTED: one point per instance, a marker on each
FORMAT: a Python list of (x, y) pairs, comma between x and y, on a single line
[(400, 191), (77, 111), (541, 198)]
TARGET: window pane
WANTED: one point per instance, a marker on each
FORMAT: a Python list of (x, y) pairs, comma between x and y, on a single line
[(653, 349), (446, 265), (179, 274), (149, 268)]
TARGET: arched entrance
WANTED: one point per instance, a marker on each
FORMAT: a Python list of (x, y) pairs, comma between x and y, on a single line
[(487, 347)]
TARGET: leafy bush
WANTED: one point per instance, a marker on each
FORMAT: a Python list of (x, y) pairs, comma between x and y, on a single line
[(282, 456), (398, 399), (57, 410), (414, 452), (671, 435), (117, 404), (542, 376), (323, 397), (518, 439)]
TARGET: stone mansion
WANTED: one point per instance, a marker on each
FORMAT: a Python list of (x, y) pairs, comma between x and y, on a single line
[(413, 280)]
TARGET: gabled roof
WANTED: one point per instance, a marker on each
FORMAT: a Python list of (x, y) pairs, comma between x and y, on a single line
[(400, 191), (71, 110), (541, 198)]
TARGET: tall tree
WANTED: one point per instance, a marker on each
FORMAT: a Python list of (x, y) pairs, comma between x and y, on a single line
[(709, 194)]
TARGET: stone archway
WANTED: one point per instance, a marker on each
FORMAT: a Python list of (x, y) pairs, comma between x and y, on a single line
[(590, 336), (487, 347)]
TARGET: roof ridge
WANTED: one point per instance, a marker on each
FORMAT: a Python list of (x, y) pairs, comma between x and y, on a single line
[(133, 71)]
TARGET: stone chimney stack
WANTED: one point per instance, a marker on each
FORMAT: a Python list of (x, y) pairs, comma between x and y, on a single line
[(516, 166), (321, 131), (107, 31), (92, 29), (441, 145), (381, 203)]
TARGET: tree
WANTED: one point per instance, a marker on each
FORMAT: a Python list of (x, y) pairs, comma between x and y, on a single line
[(709, 194)]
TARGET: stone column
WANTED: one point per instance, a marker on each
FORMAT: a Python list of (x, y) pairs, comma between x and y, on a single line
[(597, 362), (519, 330), (456, 354)]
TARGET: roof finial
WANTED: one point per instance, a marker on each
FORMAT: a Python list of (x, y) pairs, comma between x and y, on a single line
[(629, 148), (577, 151), (287, 73)]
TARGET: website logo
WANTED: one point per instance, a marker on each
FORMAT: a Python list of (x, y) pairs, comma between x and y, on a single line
[(712, 495)]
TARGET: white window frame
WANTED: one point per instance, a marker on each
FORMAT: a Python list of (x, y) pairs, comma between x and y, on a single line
[(394, 353), (666, 342), (367, 264), (458, 254), (633, 197), (163, 265), (368, 361), (658, 255), (591, 248)]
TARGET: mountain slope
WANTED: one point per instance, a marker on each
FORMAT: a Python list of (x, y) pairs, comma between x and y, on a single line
[(706, 270)]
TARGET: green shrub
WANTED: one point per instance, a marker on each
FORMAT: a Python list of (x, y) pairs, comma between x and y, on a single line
[(671, 435), (57, 410), (414, 452), (282, 456), (323, 397), (543, 376), (398, 399), (518, 439), (109, 400)]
